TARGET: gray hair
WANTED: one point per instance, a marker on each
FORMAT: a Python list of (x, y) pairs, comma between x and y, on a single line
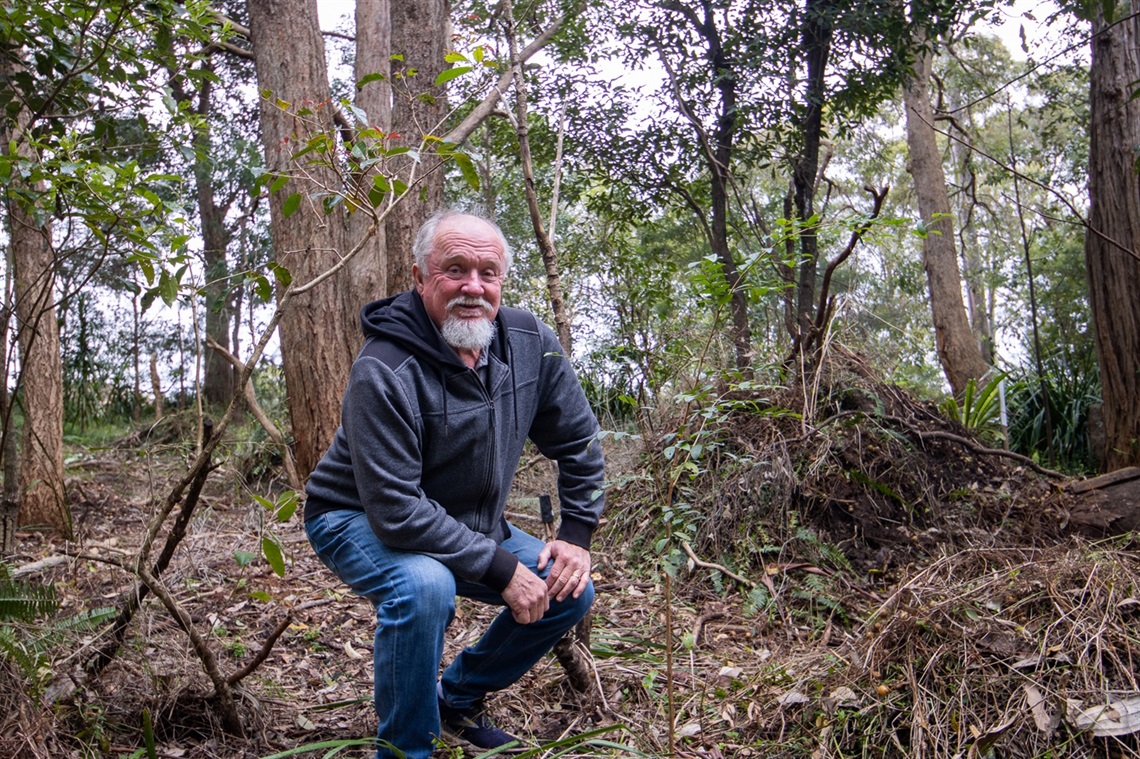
[(424, 243)]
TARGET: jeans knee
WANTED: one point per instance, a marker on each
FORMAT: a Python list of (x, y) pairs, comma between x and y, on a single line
[(426, 591), (577, 608)]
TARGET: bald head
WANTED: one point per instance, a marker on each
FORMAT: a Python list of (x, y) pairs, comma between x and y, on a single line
[(460, 222)]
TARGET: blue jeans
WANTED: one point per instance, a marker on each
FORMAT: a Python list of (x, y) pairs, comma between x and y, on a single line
[(414, 598)]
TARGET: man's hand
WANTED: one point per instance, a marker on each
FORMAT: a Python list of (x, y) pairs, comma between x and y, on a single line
[(571, 571), (526, 596)]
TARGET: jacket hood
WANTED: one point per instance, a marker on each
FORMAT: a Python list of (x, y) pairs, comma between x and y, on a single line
[(403, 319)]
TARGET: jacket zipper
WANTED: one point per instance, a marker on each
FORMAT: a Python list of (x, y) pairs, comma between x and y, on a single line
[(489, 475)]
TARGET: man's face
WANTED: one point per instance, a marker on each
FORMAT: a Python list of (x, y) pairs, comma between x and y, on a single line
[(464, 273)]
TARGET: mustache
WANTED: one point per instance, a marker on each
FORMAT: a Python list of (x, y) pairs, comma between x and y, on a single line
[(470, 300)]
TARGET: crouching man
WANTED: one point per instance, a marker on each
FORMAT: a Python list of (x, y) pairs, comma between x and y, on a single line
[(407, 506)]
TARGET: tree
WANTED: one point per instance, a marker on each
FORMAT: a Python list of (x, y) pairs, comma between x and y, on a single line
[(1112, 245), (368, 272), (40, 383), (311, 217), (419, 37), (958, 348), (716, 150), (317, 345), (40, 379)]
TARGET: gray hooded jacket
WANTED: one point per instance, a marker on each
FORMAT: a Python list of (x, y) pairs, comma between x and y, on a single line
[(428, 451)]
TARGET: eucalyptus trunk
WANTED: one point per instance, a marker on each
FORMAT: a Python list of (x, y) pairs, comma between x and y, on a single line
[(958, 349), (39, 386), (317, 342), (43, 499), (368, 271), (422, 33), (1111, 245)]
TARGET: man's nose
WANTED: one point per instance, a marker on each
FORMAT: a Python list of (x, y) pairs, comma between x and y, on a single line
[(473, 283)]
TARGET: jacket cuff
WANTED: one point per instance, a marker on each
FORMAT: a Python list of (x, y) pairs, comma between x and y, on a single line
[(498, 575), (578, 533)]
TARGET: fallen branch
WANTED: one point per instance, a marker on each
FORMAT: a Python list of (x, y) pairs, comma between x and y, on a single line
[(263, 654), (722, 569), (984, 451), (703, 620), (222, 690), (131, 600), (38, 566)]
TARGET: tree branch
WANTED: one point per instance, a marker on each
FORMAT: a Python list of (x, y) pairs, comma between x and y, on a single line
[(487, 106), (856, 235), (263, 654), (295, 481)]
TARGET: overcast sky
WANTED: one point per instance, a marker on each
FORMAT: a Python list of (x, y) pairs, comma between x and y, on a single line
[(1027, 12)]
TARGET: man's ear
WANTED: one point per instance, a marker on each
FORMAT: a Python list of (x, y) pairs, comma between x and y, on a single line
[(418, 278)]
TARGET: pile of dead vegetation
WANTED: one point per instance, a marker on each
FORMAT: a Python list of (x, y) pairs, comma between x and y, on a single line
[(917, 591)]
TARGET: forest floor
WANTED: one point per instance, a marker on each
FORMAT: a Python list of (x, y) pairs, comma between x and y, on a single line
[(846, 620)]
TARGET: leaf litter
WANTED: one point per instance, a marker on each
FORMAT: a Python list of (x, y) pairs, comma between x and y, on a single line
[(843, 585)]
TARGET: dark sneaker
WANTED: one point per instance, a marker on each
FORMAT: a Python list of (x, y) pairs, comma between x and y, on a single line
[(474, 726)]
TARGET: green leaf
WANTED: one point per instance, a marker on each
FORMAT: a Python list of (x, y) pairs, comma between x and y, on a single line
[(244, 558), (279, 182), (357, 113), (287, 504), (375, 76), (449, 74), (261, 595), (267, 504), (281, 274), (262, 288), (271, 549), (467, 167), (168, 288), (292, 203)]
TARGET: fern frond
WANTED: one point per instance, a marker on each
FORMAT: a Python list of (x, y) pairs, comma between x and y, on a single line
[(22, 601)]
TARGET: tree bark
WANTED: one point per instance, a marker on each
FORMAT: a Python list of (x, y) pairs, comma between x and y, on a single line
[(218, 379), (40, 382), (958, 350), (723, 138), (9, 450), (317, 345), (156, 385), (817, 36), (43, 499), (978, 301), (422, 32), (368, 271), (1111, 252)]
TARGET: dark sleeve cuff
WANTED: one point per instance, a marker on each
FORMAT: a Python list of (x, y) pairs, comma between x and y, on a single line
[(578, 533), (502, 569)]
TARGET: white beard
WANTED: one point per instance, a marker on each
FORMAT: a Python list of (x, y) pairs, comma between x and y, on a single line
[(467, 334)]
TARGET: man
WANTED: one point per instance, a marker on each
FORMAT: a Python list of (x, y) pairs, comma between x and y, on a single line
[(407, 505)]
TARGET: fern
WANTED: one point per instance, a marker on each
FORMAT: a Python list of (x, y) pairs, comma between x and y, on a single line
[(825, 551), (21, 652), (22, 601)]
